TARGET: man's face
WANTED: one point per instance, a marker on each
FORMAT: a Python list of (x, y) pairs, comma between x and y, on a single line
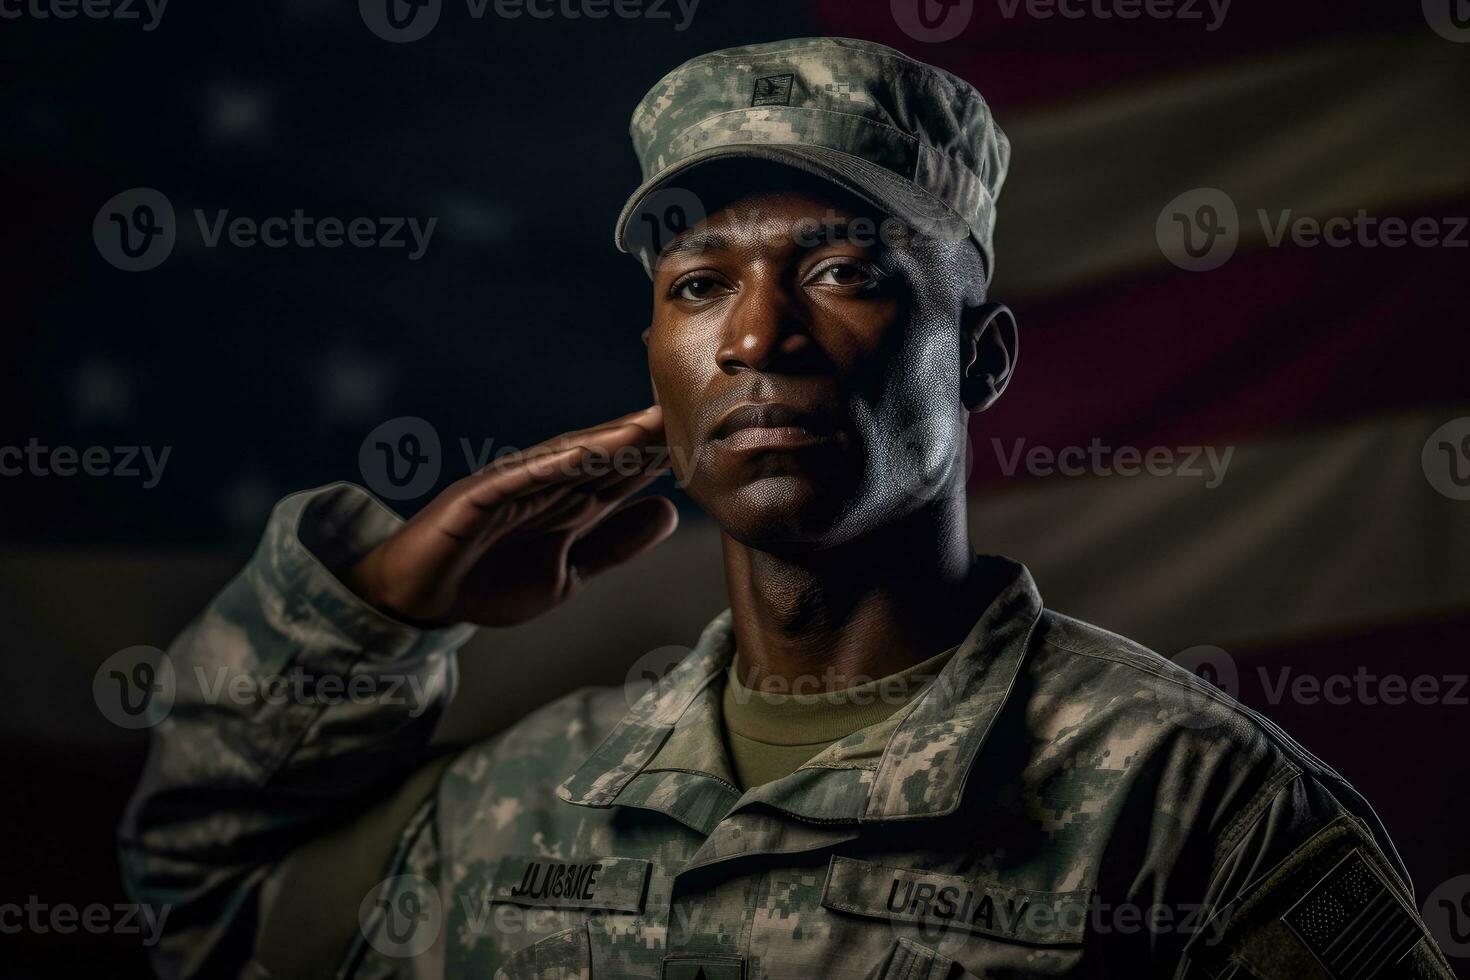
[(785, 299)]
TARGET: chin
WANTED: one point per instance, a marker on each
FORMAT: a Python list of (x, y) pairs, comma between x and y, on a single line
[(780, 514)]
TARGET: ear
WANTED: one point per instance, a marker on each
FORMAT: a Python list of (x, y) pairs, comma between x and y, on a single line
[(989, 351)]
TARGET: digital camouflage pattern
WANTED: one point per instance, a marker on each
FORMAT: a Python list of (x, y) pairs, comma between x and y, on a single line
[(911, 138), (1060, 803)]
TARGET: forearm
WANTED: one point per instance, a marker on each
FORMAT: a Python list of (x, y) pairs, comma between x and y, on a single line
[(296, 703)]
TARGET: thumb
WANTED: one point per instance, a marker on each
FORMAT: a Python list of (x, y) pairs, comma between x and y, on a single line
[(623, 535)]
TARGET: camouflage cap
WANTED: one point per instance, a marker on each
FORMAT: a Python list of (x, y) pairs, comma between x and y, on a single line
[(913, 140)]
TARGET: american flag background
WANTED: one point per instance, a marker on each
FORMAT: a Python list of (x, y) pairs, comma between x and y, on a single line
[(1234, 234)]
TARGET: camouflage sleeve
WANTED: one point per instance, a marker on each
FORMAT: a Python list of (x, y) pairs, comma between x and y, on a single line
[(1312, 890), (294, 705)]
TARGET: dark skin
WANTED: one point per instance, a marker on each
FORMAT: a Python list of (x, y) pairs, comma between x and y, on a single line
[(844, 538)]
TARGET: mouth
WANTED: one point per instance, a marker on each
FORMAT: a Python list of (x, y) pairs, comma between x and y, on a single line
[(771, 425)]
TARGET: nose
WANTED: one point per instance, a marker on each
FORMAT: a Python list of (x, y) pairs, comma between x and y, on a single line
[(769, 330)]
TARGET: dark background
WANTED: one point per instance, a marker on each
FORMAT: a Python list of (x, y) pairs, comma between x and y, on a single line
[(264, 369)]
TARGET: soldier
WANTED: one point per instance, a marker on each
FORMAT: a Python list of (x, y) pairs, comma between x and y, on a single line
[(886, 758)]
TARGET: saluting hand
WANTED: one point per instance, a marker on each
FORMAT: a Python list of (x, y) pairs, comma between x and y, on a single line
[(519, 537)]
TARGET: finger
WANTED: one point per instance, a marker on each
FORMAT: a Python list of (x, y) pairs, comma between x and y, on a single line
[(531, 474), (542, 477), (625, 534), (479, 503), (649, 419), (608, 459), (590, 470), (589, 503)]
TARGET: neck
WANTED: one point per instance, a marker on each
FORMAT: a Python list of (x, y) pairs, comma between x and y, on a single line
[(867, 608)]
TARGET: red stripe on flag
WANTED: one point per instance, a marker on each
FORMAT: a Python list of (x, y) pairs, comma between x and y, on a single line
[(1276, 339)]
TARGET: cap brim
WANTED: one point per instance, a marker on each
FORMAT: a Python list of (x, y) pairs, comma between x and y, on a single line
[(882, 188)]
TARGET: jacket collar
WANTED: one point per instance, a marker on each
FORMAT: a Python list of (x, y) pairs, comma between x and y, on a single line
[(921, 772)]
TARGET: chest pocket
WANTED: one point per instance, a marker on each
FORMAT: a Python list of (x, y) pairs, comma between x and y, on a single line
[(541, 890), (562, 956), (913, 961)]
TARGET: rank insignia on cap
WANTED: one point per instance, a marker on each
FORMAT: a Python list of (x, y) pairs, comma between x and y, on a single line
[(772, 90), (1353, 922)]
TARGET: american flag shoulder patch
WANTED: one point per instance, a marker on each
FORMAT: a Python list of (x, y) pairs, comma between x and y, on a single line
[(1353, 922)]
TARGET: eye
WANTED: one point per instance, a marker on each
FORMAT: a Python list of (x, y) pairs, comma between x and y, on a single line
[(850, 274), (695, 286)]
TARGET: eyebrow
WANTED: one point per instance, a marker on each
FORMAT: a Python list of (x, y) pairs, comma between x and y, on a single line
[(696, 241), (823, 233)]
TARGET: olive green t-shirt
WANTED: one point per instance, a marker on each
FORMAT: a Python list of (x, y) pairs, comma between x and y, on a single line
[(771, 735)]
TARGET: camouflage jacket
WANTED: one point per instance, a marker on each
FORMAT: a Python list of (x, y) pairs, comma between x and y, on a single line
[(1060, 802)]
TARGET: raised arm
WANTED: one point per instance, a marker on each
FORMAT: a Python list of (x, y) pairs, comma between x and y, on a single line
[(310, 687)]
